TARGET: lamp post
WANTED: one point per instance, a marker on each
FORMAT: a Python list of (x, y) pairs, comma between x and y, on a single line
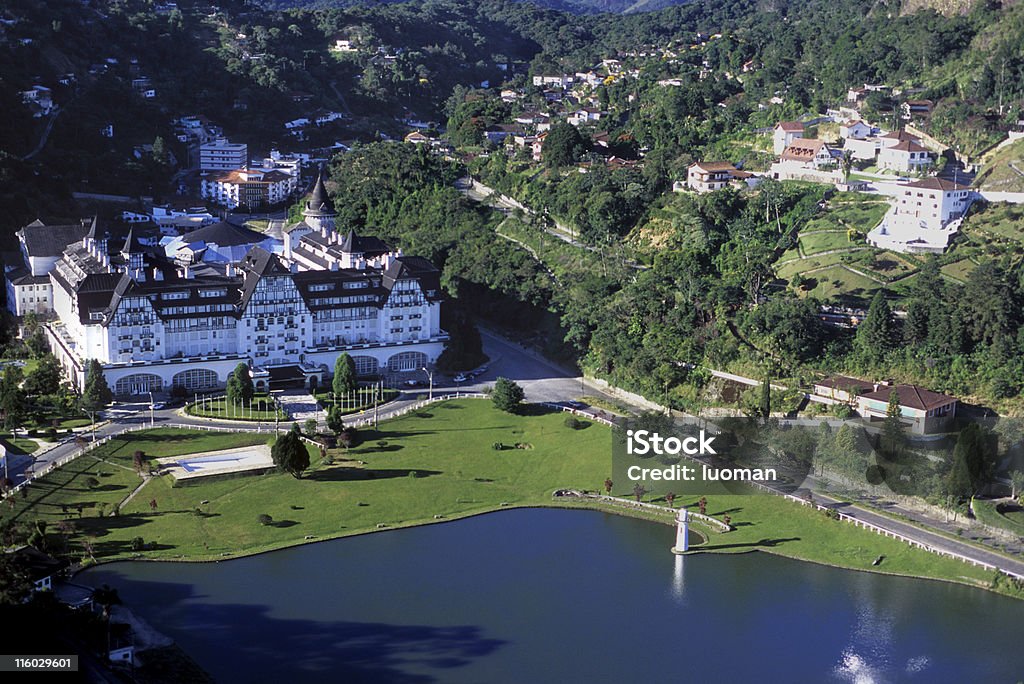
[(152, 407), (430, 377)]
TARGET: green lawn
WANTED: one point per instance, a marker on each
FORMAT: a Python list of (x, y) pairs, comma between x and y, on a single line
[(112, 467), (774, 524), (959, 270), (812, 243), (21, 445), (837, 283), (1012, 521), (997, 220), (886, 265), (438, 463), (262, 409), (790, 269), (359, 400)]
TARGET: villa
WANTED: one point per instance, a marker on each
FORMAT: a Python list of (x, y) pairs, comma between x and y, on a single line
[(925, 215)]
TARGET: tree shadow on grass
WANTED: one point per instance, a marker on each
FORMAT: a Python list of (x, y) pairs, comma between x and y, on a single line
[(108, 488), (284, 524), (535, 410), (342, 474), (763, 543), (728, 510), (117, 547)]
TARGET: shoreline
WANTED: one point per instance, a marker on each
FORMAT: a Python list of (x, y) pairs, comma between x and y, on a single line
[(576, 505)]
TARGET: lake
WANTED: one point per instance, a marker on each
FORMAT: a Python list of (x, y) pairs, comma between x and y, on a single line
[(547, 595)]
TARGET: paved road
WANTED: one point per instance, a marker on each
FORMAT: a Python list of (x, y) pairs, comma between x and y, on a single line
[(926, 536), (543, 381)]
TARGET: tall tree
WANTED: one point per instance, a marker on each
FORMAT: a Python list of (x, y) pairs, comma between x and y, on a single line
[(96, 394), (876, 335), (239, 386), (45, 379), (563, 146), (344, 375), (893, 437), (289, 453)]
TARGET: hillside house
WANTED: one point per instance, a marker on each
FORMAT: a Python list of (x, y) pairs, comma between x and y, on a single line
[(922, 411), (785, 133)]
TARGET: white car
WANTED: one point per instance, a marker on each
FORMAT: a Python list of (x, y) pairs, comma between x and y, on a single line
[(460, 378)]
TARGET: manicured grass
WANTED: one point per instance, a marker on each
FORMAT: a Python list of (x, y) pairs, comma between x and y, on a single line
[(959, 269), (812, 243), (998, 220), (438, 463), (262, 409), (1012, 521), (359, 400), (111, 465), (777, 525), (886, 265), (21, 445), (790, 269), (838, 283)]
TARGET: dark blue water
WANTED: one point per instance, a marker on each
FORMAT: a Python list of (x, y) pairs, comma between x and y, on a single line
[(563, 596)]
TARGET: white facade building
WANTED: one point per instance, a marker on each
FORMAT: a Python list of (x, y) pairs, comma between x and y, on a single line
[(784, 134), (925, 215), (252, 188), (154, 325), (41, 245), (223, 155)]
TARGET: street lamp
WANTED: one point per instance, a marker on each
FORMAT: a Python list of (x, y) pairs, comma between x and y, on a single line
[(152, 418), (430, 376)]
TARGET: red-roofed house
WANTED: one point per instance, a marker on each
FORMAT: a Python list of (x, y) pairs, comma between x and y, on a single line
[(785, 133), (855, 130), (922, 410), (905, 156)]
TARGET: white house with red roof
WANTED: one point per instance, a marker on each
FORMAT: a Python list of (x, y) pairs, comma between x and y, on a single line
[(906, 157), (921, 410), (924, 216), (855, 130), (785, 133)]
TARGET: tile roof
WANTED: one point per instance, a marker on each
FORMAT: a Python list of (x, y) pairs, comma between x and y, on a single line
[(42, 240), (912, 396), (936, 184)]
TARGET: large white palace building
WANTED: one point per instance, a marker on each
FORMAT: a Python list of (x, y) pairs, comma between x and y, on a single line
[(155, 323)]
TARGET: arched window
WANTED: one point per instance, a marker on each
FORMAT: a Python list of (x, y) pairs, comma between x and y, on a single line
[(365, 365), (138, 384), (196, 379), (407, 361)]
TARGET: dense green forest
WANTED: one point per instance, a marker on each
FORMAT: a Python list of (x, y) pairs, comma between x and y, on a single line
[(642, 315)]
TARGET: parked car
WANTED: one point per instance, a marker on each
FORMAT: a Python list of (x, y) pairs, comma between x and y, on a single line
[(460, 378)]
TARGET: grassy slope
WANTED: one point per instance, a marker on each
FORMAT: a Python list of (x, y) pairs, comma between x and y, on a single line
[(459, 473), (996, 173)]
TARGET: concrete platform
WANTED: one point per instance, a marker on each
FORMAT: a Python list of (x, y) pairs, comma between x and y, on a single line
[(240, 460)]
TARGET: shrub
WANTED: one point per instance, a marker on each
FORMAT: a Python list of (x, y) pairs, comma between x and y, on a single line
[(51, 434), (574, 423), (264, 519), (138, 544), (497, 446)]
